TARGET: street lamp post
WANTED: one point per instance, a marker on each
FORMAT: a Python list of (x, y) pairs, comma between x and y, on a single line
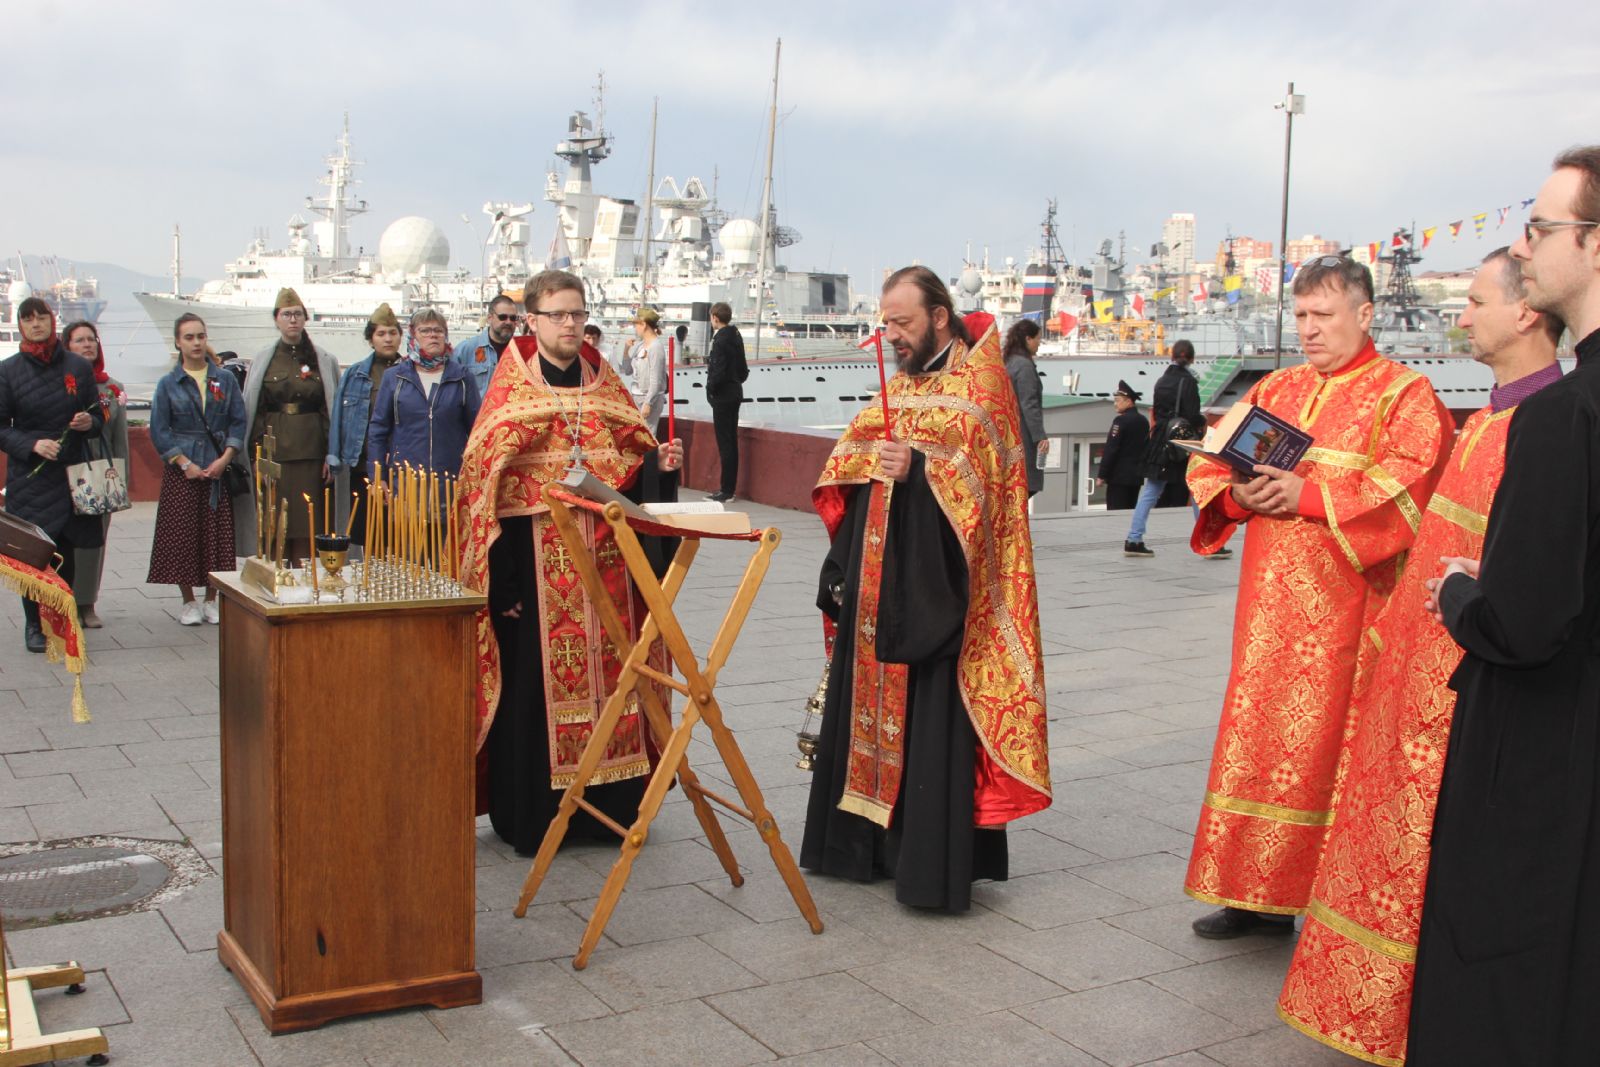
[(1291, 106)]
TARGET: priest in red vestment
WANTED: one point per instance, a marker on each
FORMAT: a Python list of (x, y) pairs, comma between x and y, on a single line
[(545, 664), (933, 731), (1349, 985), (1323, 545)]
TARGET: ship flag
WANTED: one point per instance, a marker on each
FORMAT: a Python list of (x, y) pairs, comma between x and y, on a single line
[(1231, 286), (1427, 236), (1199, 294), (1066, 322), (1288, 272), (1264, 279), (1373, 249), (560, 257), (1455, 229), (1526, 203), (1138, 305), (1399, 239), (1161, 293), (1478, 220), (1102, 310), (1503, 213)]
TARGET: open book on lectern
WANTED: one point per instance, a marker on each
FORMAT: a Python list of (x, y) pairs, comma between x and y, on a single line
[(691, 516)]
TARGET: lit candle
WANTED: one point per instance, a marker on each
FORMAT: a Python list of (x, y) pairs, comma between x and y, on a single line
[(311, 528), (350, 523)]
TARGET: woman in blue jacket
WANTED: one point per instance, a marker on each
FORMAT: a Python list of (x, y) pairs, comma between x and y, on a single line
[(425, 406), (197, 424)]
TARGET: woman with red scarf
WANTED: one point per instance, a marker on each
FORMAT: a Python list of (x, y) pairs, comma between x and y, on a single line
[(82, 339), (48, 404)]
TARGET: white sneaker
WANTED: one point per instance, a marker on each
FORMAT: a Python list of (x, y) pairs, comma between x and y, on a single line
[(191, 614), (211, 612)]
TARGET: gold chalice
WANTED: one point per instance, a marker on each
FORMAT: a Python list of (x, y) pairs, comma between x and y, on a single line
[(333, 551)]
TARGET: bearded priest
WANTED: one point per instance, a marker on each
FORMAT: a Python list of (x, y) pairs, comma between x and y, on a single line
[(545, 666), (1324, 544), (933, 730)]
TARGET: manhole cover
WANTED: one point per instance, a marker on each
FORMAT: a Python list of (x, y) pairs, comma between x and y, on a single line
[(63, 881)]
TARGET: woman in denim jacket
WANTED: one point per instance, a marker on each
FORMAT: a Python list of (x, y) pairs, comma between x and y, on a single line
[(197, 407)]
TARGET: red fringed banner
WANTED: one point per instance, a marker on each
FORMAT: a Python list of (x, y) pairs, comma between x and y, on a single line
[(58, 616)]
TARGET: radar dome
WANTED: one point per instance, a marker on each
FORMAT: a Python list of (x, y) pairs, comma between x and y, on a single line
[(971, 281), (741, 242), (411, 243), (18, 292)]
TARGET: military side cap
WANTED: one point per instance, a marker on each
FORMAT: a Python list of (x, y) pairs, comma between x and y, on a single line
[(287, 298), (384, 316)]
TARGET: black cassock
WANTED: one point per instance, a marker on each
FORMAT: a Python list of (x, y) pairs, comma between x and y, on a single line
[(931, 849), (1508, 966), (521, 802)]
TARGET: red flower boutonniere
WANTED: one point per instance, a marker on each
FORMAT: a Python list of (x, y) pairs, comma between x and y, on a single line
[(305, 372), (481, 357), (72, 384), (216, 389)]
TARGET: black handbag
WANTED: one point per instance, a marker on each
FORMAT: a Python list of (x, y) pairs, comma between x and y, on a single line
[(235, 478)]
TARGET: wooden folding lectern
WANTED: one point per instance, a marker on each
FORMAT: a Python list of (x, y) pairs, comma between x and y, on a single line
[(347, 805)]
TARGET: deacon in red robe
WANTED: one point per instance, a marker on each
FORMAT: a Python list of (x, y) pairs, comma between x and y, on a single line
[(546, 666), (1349, 984), (1323, 546), (933, 731)]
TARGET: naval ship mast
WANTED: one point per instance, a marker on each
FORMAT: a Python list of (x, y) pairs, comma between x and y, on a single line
[(338, 209), (766, 203)]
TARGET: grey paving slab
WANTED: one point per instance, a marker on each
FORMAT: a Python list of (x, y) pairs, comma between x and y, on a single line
[(856, 1055), (132, 815), (1054, 898), (1087, 954), (998, 1038), (1130, 1023), (940, 986), (1243, 988), (813, 1013), (1277, 1046), (686, 1034), (659, 972)]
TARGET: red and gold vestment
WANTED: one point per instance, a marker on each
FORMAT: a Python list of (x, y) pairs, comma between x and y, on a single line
[(963, 420), (1308, 587), (523, 439), (1349, 985)]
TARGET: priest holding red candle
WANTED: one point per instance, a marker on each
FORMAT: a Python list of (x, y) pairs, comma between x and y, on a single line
[(933, 733)]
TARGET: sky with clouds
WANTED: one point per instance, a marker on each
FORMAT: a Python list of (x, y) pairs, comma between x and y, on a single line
[(906, 132)]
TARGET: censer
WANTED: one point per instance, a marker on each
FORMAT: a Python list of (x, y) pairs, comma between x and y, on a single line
[(810, 731)]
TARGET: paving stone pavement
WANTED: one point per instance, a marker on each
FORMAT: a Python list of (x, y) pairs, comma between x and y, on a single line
[(1083, 957)]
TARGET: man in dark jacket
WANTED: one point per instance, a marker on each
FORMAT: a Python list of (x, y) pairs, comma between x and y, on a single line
[(1174, 404), (1122, 462), (1508, 957), (726, 372), (49, 404)]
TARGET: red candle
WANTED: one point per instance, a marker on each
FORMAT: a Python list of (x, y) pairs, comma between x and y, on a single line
[(883, 384), (672, 391)]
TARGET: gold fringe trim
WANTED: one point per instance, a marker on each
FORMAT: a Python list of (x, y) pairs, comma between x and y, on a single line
[(61, 601), (1262, 810), (869, 809), (603, 775), (1335, 1043), (1242, 905), (1351, 930)]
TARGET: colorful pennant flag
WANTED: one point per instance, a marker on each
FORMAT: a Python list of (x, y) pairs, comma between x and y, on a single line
[(1264, 279), (1231, 285), (1288, 272), (1138, 305), (1527, 203), (1068, 323), (1503, 213), (1399, 239), (1168, 291), (1102, 310), (1199, 294), (1455, 228), (1478, 220), (1372, 251), (1427, 236)]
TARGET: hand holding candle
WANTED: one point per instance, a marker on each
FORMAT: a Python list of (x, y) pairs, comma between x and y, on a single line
[(883, 384), (672, 393)]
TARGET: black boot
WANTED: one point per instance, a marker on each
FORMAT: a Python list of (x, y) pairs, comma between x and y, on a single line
[(1228, 923), (33, 635)]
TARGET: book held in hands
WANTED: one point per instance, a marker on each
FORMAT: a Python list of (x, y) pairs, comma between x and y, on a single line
[(1248, 436)]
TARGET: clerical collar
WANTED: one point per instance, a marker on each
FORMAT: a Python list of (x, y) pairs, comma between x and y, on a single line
[(1509, 395), (936, 364), (1589, 347), (570, 377)]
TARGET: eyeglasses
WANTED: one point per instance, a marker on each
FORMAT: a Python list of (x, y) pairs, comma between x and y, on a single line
[(294, 314), (1531, 225), (430, 331), (561, 318), (506, 318)]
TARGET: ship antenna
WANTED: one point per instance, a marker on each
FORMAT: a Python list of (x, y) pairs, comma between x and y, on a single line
[(600, 104)]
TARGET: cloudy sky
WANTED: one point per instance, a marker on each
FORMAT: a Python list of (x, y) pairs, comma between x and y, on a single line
[(907, 131)]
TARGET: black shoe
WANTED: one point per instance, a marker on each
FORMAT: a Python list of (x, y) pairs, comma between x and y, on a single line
[(721, 498), (1221, 553), (34, 637), (1136, 548), (1229, 923)]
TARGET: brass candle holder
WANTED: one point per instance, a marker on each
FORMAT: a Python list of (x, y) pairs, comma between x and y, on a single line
[(333, 552)]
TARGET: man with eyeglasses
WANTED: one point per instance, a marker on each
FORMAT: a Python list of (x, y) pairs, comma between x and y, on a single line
[(1508, 961), (545, 666), (1324, 544), (480, 353)]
